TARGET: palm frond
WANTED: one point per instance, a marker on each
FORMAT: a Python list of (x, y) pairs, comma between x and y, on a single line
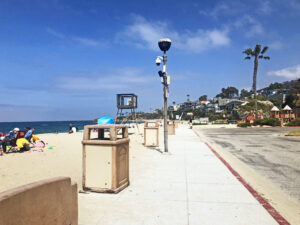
[(267, 57), (264, 50), (257, 50), (247, 57), (248, 51), (261, 56)]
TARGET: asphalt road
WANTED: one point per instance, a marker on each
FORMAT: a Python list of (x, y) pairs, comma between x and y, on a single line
[(266, 150)]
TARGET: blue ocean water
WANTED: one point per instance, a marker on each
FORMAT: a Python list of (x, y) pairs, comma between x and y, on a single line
[(44, 126)]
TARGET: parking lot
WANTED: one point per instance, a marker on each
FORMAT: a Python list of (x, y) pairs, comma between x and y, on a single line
[(266, 150)]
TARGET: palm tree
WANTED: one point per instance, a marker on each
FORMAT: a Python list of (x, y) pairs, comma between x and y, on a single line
[(256, 53)]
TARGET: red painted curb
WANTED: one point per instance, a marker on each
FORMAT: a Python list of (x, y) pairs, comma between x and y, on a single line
[(254, 127), (273, 212)]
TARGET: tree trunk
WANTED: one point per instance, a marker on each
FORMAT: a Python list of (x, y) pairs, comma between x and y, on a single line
[(254, 85)]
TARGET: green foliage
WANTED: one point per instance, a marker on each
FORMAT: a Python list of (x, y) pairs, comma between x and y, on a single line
[(244, 125), (261, 98), (295, 122), (275, 85), (256, 52), (245, 94), (203, 98), (228, 92), (292, 99), (264, 122), (260, 106), (211, 116), (276, 102), (267, 122), (197, 124)]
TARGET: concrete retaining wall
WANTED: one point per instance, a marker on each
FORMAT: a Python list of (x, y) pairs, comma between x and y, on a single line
[(47, 202)]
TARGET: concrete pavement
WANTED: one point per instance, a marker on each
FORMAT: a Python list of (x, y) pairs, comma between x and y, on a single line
[(188, 186), (277, 159)]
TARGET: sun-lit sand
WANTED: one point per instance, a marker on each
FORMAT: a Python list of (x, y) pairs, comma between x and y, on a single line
[(65, 159)]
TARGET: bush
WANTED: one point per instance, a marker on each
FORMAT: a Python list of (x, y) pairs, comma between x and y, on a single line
[(244, 125), (199, 124), (295, 122), (267, 122)]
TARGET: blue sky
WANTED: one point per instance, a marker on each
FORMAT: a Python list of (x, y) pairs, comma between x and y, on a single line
[(67, 60)]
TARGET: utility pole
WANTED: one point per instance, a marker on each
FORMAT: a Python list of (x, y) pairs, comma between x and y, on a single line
[(164, 45), (166, 93)]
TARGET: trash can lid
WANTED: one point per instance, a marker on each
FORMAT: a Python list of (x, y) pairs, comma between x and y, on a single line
[(105, 120)]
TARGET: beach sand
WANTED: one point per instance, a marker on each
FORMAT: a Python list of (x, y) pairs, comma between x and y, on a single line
[(65, 159)]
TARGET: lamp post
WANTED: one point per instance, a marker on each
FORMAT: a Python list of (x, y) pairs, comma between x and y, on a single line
[(164, 45)]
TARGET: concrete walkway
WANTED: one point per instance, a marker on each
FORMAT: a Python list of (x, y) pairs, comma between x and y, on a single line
[(189, 186)]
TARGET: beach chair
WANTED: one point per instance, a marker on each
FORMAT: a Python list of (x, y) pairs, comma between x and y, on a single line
[(21, 134)]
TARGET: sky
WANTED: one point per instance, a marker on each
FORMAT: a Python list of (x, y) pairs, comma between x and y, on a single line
[(67, 60)]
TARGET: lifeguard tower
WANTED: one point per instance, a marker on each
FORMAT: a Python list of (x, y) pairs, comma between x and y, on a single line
[(127, 103)]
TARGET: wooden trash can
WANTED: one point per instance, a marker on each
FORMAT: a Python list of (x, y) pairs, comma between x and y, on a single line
[(151, 134), (171, 128), (105, 158)]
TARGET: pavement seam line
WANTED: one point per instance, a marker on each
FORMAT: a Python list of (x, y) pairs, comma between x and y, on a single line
[(186, 187), (264, 202)]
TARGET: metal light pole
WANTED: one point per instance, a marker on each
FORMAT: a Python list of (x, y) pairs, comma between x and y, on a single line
[(164, 45)]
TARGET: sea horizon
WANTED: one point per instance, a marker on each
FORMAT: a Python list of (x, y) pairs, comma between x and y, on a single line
[(42, 127)]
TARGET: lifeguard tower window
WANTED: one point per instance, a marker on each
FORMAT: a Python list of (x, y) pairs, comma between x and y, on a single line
[(126, 101)]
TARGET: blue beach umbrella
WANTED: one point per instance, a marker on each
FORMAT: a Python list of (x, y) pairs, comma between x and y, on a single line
[(105, 120)]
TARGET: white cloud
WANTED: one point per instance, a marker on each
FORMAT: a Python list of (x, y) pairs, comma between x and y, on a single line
[(203, 40), (265, 8), (55, 33), (216, 11), (229, 9), (87, 41), (145, 34), (119, 79), (276, 45), (289, 72), (254, 27), (81, 40)]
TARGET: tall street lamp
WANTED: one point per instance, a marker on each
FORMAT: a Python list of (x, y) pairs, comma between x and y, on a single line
[(164, 45)]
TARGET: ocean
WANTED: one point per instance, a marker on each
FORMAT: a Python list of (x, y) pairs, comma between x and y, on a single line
[(44, 126)]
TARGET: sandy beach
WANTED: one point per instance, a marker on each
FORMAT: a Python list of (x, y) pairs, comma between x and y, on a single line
[(64, 159), (150, 171)]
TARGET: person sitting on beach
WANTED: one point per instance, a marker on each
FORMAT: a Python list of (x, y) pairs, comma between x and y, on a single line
[(29, 133), (23, 144), (70, 128), (2, 136), (10, 139)]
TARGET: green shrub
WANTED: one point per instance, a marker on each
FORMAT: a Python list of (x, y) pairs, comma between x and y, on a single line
[(244, 125), (295, 122), (199, 124), (267, 122)]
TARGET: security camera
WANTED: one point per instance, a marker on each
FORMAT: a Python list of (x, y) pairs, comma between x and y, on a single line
[(158, 61)]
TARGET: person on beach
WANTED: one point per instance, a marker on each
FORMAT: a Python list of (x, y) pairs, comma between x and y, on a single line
[(70, 128), (2, 136), (29, 133), (191, 123), (10, 139)]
